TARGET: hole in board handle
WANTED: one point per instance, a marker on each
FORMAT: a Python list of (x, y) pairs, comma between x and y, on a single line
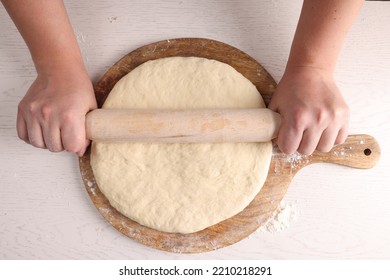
[(367, 152)]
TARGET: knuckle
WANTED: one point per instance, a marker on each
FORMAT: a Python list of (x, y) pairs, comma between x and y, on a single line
[(46, 112), (21, 107), (322, 116), (68, 117), (341, 114), (299, 119), (31, 109)]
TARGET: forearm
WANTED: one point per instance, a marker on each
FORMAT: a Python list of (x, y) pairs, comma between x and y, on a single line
[(45, 27), (52, 113), (321, 31)]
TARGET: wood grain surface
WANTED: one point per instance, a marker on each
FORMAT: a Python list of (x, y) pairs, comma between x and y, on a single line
[(360, 151)]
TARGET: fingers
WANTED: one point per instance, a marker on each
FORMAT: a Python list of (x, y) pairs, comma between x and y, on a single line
[(305, 131), (21, 127), (309, 141), (342, 135), (52, 137), (290, 132), (39, 135), (55, 134), (73, 134), (313, 138), (314, 113), (327, 140), (35, 136), (289, 138), (85, 146)]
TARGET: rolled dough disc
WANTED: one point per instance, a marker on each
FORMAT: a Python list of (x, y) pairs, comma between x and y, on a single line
[(176, 187)]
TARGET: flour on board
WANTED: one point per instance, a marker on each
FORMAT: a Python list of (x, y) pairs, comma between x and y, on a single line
[(282, 218)]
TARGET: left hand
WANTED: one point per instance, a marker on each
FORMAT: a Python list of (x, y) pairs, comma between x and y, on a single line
[(52, 113), (314, 113)]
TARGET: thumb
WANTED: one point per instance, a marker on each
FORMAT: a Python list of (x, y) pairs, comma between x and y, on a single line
[(273, 106)]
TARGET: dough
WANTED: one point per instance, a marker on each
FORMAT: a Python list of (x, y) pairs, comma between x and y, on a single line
[(178, 187)]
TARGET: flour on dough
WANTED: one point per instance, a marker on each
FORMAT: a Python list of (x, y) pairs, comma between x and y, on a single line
[(179, 187)]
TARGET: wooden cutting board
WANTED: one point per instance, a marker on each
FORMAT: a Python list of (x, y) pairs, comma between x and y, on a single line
[(359, 151)]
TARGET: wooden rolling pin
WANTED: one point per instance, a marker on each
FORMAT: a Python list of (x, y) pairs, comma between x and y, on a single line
[(182, 126)]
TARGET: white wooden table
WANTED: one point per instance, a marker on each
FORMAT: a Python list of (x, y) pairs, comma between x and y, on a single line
[(45, 212)]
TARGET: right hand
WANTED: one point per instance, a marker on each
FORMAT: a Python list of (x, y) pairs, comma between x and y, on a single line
[(314, 113), (52, 113)]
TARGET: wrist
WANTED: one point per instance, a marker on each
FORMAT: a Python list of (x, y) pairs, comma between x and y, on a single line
[(59, 64), (61, 74), (306, 59), (308, 70)]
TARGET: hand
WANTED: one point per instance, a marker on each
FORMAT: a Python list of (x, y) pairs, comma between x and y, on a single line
[(52, 113), (314, 114)]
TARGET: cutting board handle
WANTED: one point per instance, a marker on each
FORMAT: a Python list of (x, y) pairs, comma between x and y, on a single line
[(358, 151)]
